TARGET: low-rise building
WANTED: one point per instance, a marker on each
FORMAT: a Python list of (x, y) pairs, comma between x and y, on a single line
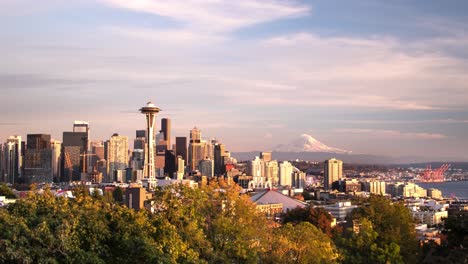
[(269, 202), (374, 187), (428, 212), (340, 210), (135, 197), (434, 193)]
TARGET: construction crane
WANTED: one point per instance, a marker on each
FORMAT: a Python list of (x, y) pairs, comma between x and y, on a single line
[(434, 175), (69, 165), (84, 171)]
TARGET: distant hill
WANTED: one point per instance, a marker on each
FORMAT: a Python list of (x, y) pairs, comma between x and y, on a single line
[(305, 147), (317, 156), (407, 161)]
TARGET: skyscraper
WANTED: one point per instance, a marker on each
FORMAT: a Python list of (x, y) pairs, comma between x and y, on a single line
[(265, 156), (332, 171), (86, 158), (170, 163), (56, 147), (166, 130), (161, 148), (207, 167), (285, 175), (38, 141), (271, 172), (38, 159), (150, 111), (196, 149), (138, 158), (255, 167), (219, 154), (139, 149), (140, 139), (13, 159), (117, 156), (180, 168), (74, 150), (181, 147)]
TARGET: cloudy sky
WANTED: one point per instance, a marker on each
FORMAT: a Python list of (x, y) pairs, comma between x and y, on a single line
[(376, 77)]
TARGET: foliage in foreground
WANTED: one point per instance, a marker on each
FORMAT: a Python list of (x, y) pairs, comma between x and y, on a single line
[(209, 225)]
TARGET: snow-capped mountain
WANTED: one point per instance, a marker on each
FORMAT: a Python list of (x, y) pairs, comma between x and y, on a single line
[(306, 143)]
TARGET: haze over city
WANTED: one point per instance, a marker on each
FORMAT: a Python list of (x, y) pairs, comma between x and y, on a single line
[(363, 76)]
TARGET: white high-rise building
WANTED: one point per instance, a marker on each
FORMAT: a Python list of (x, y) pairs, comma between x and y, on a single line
[(256, 167), (271, 172), (117, 155), (56, 152), (285, 175), (180, 168), (332, 171)]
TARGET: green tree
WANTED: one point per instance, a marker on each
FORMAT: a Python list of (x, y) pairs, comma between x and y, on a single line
[(394, 225), (301, 243), (317, 216), (362, 247), (217, 223), (6, 191), (46, 229), (118, 195)]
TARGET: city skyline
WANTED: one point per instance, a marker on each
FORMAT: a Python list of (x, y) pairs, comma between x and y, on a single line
[(253, 74)]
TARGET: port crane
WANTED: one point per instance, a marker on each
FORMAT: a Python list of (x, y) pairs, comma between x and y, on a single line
[(434, 175)]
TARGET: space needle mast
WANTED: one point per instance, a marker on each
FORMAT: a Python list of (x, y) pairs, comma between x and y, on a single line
[(150, 111)]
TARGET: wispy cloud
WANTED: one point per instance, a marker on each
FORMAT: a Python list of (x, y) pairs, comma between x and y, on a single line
[(422, 121), (216, 16), (166, 37), (391, 133)]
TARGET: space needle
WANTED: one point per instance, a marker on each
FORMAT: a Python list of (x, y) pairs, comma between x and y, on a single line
[(150, 111)]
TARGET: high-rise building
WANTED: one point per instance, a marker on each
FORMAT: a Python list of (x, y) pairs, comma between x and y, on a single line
[(181, 147), (98, 152), (285, 173), (83, 126), (196, 149), (117, 156), (195, 135), (180, 168), (13, 160), (272, 172), (166, 130), (161, 148), (265, 156), (138, 158), (38, 159), (332, 171), (219, 154), (74, 149), (140, 140), (150, 111), (256, 167), (38, 141), (56, 147), (298, 179), (170, 163), (207, 167)]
